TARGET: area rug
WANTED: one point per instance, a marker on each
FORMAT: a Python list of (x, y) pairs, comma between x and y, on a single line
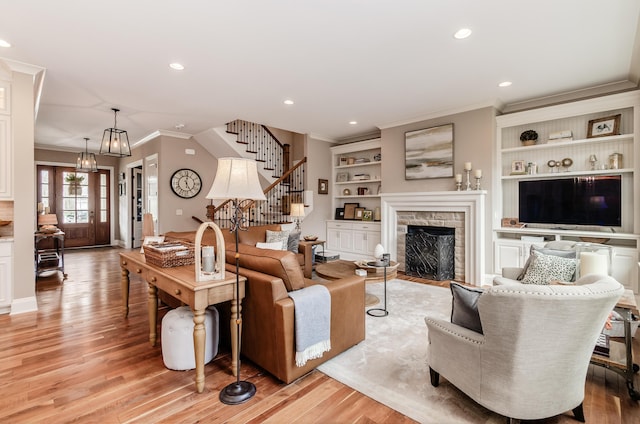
[(390, 365)]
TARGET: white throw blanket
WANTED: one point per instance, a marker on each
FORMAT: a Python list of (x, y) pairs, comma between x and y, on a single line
[(312, 322)]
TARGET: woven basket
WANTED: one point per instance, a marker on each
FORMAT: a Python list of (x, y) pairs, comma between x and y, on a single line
[(155, 254)]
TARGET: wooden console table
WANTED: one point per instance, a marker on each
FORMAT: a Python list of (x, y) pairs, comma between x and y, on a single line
[(180, 283)]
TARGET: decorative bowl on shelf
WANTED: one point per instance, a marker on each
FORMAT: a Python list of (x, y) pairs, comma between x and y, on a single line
[(3, 223), (311, 238)]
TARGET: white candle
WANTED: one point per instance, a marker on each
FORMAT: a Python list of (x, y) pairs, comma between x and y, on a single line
[(458, 178), (593, 263), (467, 166), (478, 173), (207, 258)]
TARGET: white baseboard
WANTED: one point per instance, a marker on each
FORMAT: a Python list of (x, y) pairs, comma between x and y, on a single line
[(25, 304)]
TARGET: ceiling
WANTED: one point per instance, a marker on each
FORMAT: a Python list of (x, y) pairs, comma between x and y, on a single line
[(376, 62)]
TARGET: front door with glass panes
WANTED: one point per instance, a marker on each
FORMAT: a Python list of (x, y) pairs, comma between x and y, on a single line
[(81, 202)]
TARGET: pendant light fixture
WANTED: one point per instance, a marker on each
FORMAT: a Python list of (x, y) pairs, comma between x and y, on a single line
[(86, 161), (115, 142)]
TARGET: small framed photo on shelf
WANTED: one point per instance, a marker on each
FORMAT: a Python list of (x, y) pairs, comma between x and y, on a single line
[(342, 177), (367, 215), (350, 210), (343, 161), (358, 214), (323, 186), (517, 167), (339, 213), (603, 127)]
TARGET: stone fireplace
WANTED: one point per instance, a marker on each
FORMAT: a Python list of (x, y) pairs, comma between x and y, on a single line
[(461, 210)]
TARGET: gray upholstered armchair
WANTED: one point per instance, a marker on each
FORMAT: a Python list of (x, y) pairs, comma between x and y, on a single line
[(531, 362)]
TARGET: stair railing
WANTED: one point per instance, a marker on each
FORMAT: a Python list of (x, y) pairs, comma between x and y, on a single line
[(261, 142), (287, 189)]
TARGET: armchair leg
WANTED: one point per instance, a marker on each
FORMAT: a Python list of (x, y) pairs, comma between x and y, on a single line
[(512, 420), (435, 377), (578, 413)]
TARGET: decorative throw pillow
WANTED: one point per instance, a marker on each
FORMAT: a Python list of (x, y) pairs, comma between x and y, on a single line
[(276, 245), (281, 236), (464, 308), (294, 241), (547, 268), (546, 251)]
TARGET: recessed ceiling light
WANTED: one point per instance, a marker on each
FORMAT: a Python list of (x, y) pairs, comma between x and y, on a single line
[(462, 33), (4, 43), (177, 66), (353, 122), (504, 84), (288, 102)]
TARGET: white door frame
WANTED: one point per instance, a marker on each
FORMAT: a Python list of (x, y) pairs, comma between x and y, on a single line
[(129, 222)]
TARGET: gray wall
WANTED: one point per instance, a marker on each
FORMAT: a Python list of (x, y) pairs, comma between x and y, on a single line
[(474, 135)]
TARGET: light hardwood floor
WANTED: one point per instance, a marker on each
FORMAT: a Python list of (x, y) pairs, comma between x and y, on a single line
[(78, 360)]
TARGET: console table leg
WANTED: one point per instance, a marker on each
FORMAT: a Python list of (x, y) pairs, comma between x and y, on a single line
[(124, 289), (153, 314), (236, 333), (198, 347)]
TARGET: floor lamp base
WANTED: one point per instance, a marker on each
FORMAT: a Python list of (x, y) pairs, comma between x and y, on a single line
[(237, 392)]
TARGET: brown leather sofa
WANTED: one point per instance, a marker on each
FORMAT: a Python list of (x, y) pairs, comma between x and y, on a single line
[(268, 312), (250, 237)]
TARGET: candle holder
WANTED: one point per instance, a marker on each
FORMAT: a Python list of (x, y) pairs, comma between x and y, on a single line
[(458, 185), (478, 183), (468, 172)]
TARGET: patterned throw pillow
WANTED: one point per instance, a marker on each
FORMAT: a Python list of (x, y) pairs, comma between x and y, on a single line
[(281, 236), (569, 253), (547, 268)]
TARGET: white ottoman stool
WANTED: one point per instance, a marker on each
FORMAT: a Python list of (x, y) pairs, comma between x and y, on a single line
[(177, 338)]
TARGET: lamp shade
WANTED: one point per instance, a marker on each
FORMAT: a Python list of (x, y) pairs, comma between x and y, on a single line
[(236, 178), (48, 219), (297, 209)]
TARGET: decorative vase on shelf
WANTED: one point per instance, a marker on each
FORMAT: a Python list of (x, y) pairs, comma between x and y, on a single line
[(529, 138)]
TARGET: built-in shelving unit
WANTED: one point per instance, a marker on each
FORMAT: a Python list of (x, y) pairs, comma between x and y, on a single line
[(355, 178), (511, 244)]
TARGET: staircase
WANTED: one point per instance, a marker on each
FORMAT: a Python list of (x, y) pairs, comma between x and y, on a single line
[(288, 187)]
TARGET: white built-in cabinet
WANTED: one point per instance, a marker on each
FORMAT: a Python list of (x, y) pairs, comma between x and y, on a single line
[(352, 239), (6, 275), (355, 178), (510, 250)]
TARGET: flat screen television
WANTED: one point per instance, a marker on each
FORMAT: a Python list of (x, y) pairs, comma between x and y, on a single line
[(593, 200)]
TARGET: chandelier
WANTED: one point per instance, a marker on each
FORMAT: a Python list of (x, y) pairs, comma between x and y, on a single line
[(115, 142), (86, 161)]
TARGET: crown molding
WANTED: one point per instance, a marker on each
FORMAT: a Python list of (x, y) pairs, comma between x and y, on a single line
[(159, 133), (439, 114)]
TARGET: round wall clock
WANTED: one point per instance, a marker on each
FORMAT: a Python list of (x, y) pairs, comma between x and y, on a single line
[(186, 183)]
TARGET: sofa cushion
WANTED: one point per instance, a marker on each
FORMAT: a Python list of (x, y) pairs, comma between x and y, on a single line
[(294, 241), (278, 263), (563, 253), (254, 234), (281, 236), (464, 307), (545, 269), (276, 245)]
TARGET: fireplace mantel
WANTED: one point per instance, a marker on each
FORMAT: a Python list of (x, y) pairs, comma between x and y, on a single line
[(469, 202)]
